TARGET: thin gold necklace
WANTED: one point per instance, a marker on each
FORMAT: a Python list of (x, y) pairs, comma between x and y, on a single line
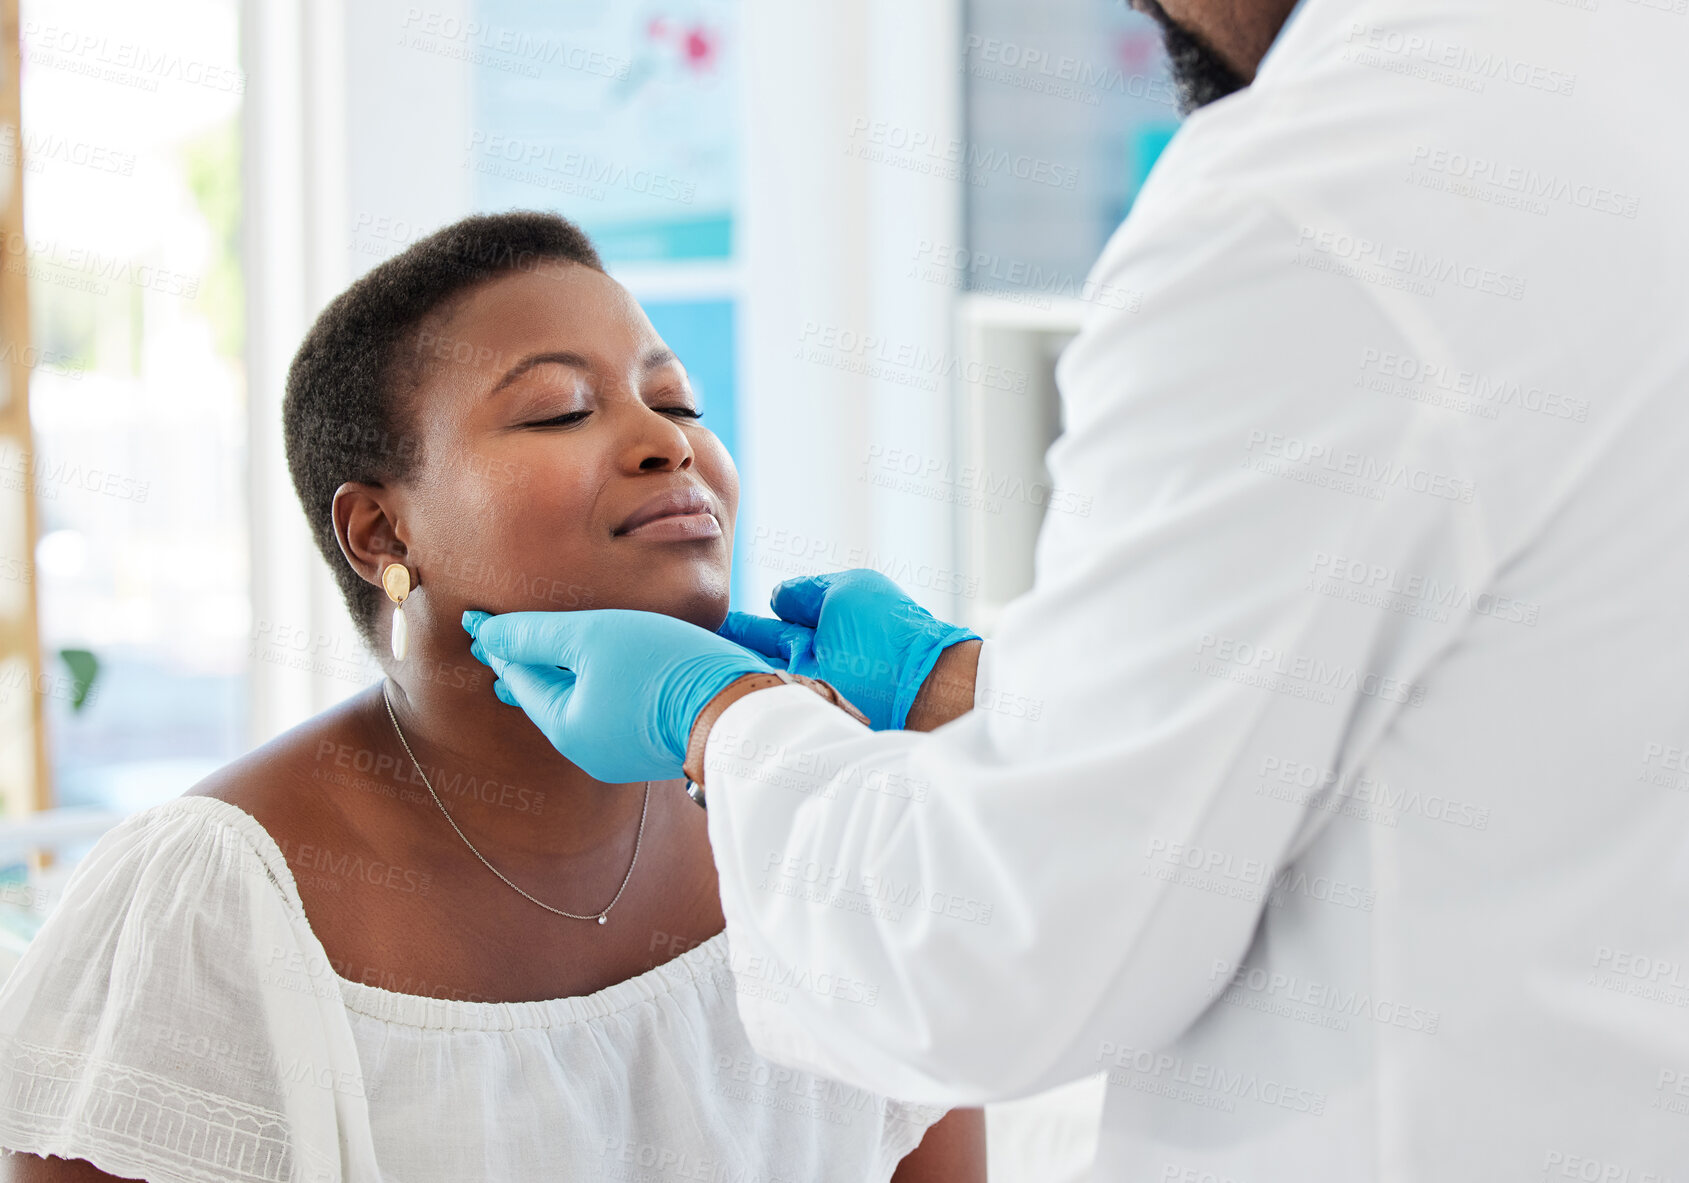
[(603, 916)]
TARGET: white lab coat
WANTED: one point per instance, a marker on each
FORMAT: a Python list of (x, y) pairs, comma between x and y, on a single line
[(1329, 789)]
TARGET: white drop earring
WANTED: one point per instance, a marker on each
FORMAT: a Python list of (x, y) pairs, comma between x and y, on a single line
[(396, 582)]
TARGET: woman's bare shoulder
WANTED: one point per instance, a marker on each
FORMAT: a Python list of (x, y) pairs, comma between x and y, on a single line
[(292, 783)]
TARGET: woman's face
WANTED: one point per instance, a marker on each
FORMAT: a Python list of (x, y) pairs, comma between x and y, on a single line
[(563, 465)]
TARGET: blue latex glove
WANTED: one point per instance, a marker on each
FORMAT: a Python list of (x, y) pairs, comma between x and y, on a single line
[(631, 686), (856, 630)]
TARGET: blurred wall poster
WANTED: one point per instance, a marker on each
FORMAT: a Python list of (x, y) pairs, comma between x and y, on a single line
[(622, 117)]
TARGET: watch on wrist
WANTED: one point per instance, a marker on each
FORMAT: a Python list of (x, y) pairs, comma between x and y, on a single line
[(695, 758)]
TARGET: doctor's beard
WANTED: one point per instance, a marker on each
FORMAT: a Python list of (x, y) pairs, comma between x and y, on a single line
[(1200, 74)]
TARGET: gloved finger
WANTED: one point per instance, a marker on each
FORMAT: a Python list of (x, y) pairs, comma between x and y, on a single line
[(496, 664), (542, 692), (502, 693), (774, 639), (798, 600), (532, 638)]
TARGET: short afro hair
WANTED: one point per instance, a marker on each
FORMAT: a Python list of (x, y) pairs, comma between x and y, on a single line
[(341, 418)]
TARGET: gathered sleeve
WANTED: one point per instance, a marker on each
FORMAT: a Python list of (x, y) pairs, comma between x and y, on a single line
[(176, 1020)]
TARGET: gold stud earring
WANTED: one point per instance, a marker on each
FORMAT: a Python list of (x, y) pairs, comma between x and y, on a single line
[(396, 582)]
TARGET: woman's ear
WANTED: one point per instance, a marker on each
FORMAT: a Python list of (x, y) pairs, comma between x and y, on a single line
[(368, 535)]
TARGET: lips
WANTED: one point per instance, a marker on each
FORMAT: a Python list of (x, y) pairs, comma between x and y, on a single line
[(673, 503)]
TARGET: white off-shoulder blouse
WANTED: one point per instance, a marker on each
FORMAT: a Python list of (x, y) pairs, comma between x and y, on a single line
[(177, 1020)]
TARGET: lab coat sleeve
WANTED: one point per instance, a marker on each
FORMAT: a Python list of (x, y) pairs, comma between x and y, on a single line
[(1002, 904)]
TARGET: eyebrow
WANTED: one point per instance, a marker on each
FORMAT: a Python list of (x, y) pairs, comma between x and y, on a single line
[(655, 359)]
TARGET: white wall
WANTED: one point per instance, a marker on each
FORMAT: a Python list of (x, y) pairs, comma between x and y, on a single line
[(828, 244), (293, 127)]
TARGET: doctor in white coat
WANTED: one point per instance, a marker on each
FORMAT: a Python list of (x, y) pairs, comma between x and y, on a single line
[(1330, 788)]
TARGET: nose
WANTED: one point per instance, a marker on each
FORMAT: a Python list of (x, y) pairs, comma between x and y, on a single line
[(655, 442)]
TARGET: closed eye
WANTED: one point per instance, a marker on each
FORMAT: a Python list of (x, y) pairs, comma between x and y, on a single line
[(559, 420), (574, 417)]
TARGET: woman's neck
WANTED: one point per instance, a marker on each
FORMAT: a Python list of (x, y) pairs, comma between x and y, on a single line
[(496, 774)]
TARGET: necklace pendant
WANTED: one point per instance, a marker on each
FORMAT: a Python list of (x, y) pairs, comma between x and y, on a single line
[(603, 918)]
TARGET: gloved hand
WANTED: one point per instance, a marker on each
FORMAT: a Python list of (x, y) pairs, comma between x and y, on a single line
[(856, 630), (633, 683)]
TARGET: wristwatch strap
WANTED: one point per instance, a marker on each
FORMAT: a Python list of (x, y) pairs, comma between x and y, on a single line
[(695, 757)]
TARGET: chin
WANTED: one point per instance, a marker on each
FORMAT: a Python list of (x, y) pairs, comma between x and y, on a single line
[(707, 616), (693, 591), (709, 621), (702, 604)]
